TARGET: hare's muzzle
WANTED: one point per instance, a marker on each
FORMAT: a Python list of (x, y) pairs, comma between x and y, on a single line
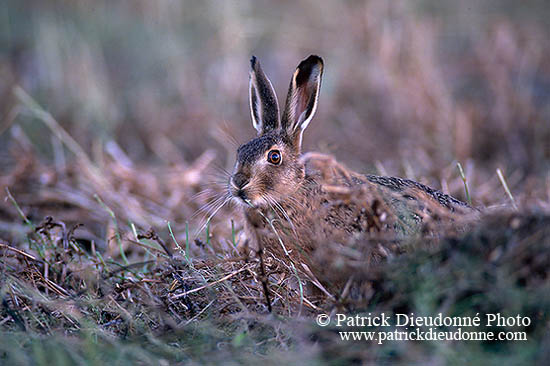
[(240, 180), (238, 184)]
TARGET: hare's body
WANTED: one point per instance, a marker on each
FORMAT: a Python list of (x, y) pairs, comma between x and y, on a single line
[(291, 201), (337, 204)]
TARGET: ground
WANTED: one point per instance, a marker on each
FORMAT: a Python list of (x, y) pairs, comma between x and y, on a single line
[(118, 125)]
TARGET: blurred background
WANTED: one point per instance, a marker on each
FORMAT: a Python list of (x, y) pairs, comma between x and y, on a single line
[(410, 89), (120, 116)]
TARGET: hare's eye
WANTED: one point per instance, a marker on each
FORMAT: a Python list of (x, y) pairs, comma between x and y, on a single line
[(274, 157)]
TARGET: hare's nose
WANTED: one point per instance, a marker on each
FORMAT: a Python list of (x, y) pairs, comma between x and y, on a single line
[(240, 180)]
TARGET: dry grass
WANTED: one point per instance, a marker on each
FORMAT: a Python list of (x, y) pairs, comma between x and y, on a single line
[(119, 122)]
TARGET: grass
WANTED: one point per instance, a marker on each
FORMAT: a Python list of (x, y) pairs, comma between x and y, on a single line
[(96, 311), (505, 185), (143, 104), (177, 308), (463, 176)]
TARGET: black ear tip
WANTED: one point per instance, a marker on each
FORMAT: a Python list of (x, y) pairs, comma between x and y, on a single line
[(314, 59), (253, 61), (310, 63)]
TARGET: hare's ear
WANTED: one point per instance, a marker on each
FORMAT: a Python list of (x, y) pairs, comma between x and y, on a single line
[(303, 94), (263, 101)]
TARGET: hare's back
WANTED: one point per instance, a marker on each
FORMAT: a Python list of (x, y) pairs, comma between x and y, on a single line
[(413, 190), (331, 172)]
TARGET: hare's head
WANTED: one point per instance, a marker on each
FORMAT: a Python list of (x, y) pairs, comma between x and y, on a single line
[(268, 168)]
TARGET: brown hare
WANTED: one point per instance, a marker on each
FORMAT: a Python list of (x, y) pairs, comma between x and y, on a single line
[(291, 201)]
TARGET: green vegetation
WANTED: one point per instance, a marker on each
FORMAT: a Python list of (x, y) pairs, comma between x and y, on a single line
[(119, 122)]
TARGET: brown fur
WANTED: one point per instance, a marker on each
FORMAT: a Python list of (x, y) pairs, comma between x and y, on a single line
[(310, 199)]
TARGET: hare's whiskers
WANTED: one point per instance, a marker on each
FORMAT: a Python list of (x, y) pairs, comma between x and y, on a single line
[(283, 211), (225, 198), (205, 193), (224, 173), (272, 205), (275, 212), (297, 204), (207, 207)]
